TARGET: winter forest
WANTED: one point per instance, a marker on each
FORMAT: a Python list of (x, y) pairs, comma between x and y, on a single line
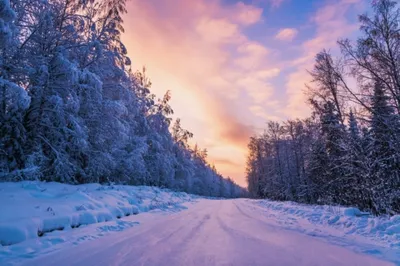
[(348, 151), (73, 111)]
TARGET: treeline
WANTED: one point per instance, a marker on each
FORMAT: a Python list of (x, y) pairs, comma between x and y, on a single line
[(348, 152), (72, 111)]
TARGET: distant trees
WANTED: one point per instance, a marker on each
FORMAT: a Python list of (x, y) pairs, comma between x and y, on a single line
[(348, 152), (71, 109)]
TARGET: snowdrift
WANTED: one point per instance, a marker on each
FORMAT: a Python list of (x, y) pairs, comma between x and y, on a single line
[(32, 209), (313, 219)]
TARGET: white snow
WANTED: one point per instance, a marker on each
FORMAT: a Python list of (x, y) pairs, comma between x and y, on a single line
[(383, 230), (180, 229), (211, 232), (31, 209)]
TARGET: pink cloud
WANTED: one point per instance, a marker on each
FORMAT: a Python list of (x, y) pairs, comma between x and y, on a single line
[(287, 34), (260, 112), (197, 49), (246, 14), (218, 31), (268, 73), (272, 3), (220, 78), (277, 3), (331, 24)]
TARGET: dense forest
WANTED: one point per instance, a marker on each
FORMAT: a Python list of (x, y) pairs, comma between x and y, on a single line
[(73, 111), (348, 151)]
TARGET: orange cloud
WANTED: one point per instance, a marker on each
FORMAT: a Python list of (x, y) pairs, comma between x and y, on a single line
[(219, 78), (197, 49), (226, 162)]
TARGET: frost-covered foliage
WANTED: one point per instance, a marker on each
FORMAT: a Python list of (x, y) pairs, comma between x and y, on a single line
[(72, 111), (348, 152)]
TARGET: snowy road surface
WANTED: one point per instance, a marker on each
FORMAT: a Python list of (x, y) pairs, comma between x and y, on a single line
[(211, 232)]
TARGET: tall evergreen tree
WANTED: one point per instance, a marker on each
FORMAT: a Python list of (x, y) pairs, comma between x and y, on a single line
[(385, 130)]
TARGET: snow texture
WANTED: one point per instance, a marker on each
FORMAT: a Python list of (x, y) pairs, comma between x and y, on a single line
[(210, 232), (384, 230), (180, 229), (32, 209)]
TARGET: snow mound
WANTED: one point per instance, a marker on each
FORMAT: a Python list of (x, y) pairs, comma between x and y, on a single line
[(32, 209), (348, 221), (354, 212)]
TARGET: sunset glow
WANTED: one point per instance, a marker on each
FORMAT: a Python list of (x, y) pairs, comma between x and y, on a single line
[(232, 65)]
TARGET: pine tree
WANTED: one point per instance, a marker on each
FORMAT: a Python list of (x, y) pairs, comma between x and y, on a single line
[(318, 172), (385, 129), (333, 133), (356, 168)]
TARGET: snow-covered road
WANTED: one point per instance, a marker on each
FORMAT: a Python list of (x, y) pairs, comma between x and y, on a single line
[(210, 232)]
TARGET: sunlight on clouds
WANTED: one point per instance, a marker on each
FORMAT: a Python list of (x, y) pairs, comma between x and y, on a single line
[(260, 112), (331, 24), (268, 73), (218, 31), (247, 14), (277, 3), (201, 54), (287, 34), (253, 49), (258, 89), (273, 3), (251, 55), (223, 81)]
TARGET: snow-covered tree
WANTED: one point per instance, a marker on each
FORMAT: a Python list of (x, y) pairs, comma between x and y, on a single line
[(385, 153), (346, 159), (71, 109), (13, 101)]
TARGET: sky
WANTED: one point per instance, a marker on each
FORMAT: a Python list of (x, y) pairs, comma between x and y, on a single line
[(231, 65)]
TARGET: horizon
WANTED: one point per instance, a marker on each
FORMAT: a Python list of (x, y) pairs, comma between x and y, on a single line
[(233, 65), (121, 121)]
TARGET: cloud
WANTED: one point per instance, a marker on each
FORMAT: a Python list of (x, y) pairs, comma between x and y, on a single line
[(246, 14), (237, 132), (198, 50), (268, 73), (287, 34), (276, 3), (260, 112), (258, 89), (331, 24), (252, 49), (221, 80), (227, 162), (218, 31), (273, 3)]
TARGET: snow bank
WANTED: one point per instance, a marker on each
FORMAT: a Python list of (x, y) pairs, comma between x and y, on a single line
[(32, 209), (348, 221)]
